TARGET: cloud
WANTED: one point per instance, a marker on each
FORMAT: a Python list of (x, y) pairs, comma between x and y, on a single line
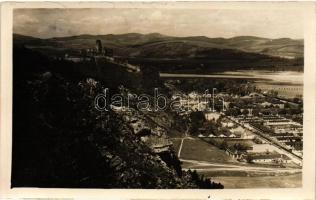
[(24, 19), (47, 23), (156, 15)]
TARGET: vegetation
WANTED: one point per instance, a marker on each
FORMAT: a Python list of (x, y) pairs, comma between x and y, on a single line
[(196, 121), (184, 54), (202, 150), (60, 140), (204, 182)]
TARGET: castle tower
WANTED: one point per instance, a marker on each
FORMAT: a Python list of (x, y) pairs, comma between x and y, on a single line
[(98, 46)]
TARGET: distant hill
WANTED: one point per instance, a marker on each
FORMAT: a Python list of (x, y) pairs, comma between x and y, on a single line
[(137, 44), (237, 51)]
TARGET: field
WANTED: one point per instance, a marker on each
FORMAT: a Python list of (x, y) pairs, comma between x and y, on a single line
[(196, 149), (217, 165), (287, 181)]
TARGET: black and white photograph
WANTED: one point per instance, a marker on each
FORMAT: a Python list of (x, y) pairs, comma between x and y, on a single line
[(147, 97), (123, 98)]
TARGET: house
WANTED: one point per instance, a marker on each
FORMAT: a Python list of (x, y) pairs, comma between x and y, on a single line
[(255, 94), (269, 157), (211, 116), (222, 135), (232, 135), (280, 105), (266, 104), (227, 124), (237, 154), (211, 135), (262, 148), (278, 122)]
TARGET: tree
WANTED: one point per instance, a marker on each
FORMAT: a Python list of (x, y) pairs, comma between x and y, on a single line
[(282, 112), (257, 140), (223, 145), (249, 158), (150, 78), (245, 112), (235, 112), (255, 112), (197, 119)]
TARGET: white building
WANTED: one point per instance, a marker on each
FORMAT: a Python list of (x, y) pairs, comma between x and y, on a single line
[(212, 116)]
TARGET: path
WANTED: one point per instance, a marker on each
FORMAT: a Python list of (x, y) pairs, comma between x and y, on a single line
[(182, 140), (231, 167)]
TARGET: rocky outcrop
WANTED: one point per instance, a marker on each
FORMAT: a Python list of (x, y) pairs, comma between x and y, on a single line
[(61, 140)]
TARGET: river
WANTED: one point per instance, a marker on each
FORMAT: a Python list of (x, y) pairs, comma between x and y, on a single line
[(286, 83)]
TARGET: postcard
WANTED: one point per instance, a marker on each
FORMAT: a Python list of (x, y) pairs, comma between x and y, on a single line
[(158, 100)]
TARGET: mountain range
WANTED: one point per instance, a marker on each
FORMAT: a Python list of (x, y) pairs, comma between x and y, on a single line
[(160, 46), (197, 54)]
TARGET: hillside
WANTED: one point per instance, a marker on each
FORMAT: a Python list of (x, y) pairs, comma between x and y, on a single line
[(61, 140), (283, 47), (239, 51)]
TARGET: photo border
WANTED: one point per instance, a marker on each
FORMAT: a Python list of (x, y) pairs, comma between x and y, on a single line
[(306, 192)]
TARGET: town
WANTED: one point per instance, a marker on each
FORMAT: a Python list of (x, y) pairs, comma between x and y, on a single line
[(149, 97), (251, 126), (258, 127)]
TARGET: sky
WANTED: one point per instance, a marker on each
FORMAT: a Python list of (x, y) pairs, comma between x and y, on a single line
[(47, 23)]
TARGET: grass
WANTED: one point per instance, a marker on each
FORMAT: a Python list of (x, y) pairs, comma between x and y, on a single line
[(196, 149)]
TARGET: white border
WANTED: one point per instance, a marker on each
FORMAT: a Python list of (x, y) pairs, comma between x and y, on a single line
[(306, 192)]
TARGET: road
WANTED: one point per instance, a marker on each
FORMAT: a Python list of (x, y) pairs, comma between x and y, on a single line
[(224, 76), (203, 166)]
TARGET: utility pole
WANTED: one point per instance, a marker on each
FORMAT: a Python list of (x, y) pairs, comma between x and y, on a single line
[(213, 99), (223, 103)]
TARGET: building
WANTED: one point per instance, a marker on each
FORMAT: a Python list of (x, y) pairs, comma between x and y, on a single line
[(262, 148), (255, 94), (98, 46), (228, 124), (232, 135), (268, 157), (211, 116), (237, 154), (108, 52)]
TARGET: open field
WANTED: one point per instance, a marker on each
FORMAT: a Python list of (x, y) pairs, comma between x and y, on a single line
[(196, 149), (287, 181), (202, 153), (214, 163)]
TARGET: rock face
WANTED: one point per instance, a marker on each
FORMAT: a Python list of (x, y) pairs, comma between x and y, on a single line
[(63, 143)]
